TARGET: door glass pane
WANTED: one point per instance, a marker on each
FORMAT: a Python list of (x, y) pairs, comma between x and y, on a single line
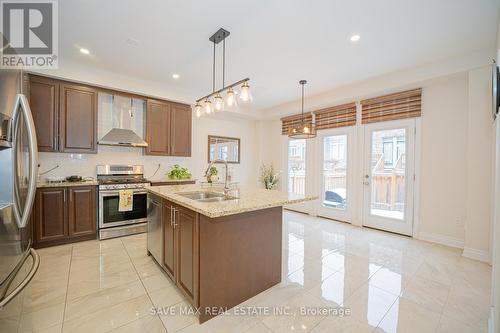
[(297, 166), (388, 171), (111, 212), (335, 171)]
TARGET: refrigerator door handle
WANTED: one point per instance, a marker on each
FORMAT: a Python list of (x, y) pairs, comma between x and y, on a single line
[(23, 105), (24, 283)]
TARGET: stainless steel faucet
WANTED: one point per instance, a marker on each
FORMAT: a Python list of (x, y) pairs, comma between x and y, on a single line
[(207, 172)]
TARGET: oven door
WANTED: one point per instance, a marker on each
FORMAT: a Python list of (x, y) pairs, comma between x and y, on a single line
[(110, 216)]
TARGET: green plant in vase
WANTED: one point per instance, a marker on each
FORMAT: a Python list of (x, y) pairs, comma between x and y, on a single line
[(269, 176), (212, 174), (176, 173)]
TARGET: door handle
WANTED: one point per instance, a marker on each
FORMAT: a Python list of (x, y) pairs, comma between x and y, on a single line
[(366, 183), (22, 103), (27, 279)]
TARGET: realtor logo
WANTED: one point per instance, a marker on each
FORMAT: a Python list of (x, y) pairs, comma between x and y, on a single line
[(29, 34)]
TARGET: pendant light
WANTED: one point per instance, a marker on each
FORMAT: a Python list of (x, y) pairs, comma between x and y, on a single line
[(302, 130), (219, 103)]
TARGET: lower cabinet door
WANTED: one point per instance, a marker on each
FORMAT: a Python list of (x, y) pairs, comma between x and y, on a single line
[(50, 215), (169, 246), (81, 210), (186, 225)]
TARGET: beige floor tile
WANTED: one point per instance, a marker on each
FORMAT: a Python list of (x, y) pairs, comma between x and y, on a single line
[(109, 318), (295, 318), (406, 316), (41, 319), (43, 293), (450, 325), (53, 329), (148, 269), (389, 280), (157, 282), (309, 275), (275, 295), (428, 293), (147, 324), (344, 324), (468, 307), (166, 297), (178, 316), (338, 287), (259, 328), (369, 304), (103, 299), (90, 283), (222, 324)]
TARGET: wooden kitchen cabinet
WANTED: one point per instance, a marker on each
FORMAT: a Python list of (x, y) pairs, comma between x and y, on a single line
[(168, 129), (78, 119), (65, 115), (169, 239), (180, 248), (82, 211), (50, 215), (180, 130), (44, 103), (64, 215), (158, 128), (187, 252)]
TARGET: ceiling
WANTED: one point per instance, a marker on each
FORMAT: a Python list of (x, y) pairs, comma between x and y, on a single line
[(275, 43)]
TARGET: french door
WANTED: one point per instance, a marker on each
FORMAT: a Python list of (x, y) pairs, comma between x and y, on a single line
[(298, 163), (336, 186), (389, 151)]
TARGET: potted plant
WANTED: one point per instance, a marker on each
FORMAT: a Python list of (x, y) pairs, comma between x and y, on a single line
[(176, 173), (212, 174), (268, 176)]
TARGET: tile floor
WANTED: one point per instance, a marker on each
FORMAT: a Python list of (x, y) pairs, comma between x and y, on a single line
[(389, 283)]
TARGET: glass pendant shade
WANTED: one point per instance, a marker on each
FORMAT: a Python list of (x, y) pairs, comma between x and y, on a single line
[(231, 98), (197, 109), (208, 106), (218, 103), (245, 94), (302, 131)]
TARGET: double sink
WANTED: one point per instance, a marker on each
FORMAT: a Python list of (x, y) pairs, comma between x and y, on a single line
[(205, 196)]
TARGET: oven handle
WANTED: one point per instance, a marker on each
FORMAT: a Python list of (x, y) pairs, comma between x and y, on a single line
[(114, 192)]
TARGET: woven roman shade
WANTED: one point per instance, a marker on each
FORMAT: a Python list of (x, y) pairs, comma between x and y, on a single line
[(402, 105), (290, 121), (336, 116)]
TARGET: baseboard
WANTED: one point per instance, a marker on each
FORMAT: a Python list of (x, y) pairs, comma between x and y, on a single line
[(440, 239), (476, 254), (491, 320)]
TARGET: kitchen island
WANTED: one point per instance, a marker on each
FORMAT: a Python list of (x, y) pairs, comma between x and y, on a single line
[(220, 249)]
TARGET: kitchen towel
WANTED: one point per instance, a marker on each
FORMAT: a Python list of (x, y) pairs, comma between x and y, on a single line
[(126, 200)]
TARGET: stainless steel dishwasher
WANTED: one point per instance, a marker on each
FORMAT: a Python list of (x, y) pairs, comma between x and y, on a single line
[(155, 230)]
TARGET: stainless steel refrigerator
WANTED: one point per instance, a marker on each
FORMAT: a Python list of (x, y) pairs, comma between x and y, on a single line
[(18, 175)]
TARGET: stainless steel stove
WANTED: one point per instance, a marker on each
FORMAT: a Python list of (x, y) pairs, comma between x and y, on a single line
[(112, 179)]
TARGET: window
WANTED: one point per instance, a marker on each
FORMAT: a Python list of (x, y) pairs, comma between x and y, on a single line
[(387, 150), (297, 166), (223, 152), (335, 171)]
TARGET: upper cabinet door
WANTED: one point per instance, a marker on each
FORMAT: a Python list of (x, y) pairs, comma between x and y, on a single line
[(78, 119), (158, 128), (180, 130), (44, 102)]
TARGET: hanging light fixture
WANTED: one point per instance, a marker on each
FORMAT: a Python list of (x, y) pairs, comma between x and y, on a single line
[(230, 99), (302, 130)]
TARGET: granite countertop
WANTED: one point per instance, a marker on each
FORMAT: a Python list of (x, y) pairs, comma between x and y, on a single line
[(67, 184), (249, 199)]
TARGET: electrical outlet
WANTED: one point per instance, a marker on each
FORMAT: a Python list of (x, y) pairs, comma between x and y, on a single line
[(458, 221)]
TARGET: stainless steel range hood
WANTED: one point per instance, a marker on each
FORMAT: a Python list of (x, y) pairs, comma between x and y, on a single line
[(122, 137)]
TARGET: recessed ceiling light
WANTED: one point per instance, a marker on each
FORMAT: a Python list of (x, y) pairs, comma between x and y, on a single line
[(84, 51), (176, 76), (355, 38)]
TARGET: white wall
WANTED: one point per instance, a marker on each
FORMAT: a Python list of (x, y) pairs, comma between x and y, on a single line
[(245, 172), (479, 165), (443, 160)]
